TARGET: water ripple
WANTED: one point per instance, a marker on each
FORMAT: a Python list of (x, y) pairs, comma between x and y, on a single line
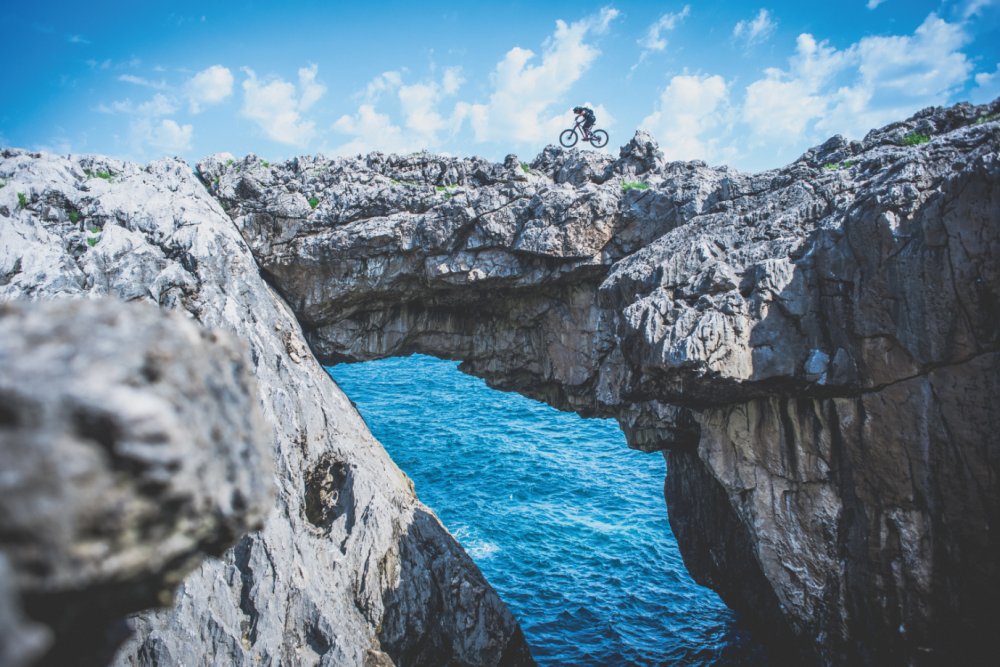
[(565, 521)]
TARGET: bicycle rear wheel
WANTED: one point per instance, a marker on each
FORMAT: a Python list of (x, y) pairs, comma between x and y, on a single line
[(598, 138), (568, 138)]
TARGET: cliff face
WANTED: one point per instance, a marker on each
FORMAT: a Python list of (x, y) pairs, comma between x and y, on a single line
[(349, 567), (814, 348)]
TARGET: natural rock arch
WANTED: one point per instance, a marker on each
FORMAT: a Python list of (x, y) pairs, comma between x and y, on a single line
[(802, 343)]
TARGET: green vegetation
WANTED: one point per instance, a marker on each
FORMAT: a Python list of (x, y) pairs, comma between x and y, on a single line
[(987, 119), (915, 139), (3, 183), (92, 240), (100, 173), (74, 216), (634, 185), (265, 164), (411, 184), (230, 162), (22, 201), (834, 166), (525, 167), (313, 202)]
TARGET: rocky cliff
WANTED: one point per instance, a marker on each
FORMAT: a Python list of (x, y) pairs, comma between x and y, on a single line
[(813, 348), (129, 453)]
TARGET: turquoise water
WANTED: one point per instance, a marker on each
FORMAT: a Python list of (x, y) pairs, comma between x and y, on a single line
[(566, 522)]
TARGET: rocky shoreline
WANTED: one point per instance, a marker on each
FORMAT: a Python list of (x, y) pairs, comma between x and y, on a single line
[(813, 348)]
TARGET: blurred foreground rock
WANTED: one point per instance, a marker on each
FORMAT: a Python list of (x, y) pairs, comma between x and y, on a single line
[(131, 447)]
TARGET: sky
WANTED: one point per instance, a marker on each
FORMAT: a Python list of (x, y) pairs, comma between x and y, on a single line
[(748, 84)]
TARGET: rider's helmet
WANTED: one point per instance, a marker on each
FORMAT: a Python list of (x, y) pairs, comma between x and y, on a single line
[(577, 109)]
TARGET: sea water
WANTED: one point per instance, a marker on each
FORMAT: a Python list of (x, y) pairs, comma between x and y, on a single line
[(566, 522)]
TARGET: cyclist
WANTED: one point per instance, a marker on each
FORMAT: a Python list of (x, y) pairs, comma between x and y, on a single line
[(588, 119)]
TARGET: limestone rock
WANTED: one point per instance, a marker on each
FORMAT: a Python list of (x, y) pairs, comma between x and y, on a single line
[(797, 340), (131, 447), (317, 583)]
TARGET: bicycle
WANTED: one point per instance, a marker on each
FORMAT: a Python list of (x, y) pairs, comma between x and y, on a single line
[(569, 137)]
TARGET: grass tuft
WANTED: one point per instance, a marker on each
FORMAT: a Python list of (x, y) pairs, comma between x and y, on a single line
[(915, 139), (634, 185), (987, 119), (313, 202), (265, 164), (22, 201), (525, 167), (92, 240), (74, 216), (230, 162), (100, 173), (834, 166)]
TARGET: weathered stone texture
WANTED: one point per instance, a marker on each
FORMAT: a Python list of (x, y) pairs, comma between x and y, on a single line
[(785, 335), (315, 584)]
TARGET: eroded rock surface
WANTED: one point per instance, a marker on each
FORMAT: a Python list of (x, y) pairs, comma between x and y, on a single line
[(131, 447), (814, 347), (346, 547)]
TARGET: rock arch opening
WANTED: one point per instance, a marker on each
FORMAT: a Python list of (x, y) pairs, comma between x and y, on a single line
[(564, 520)]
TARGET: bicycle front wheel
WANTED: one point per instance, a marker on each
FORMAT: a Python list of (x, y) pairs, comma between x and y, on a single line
[(568, 138), (598, 138)]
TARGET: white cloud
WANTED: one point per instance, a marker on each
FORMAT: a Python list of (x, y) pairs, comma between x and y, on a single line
[(520, 109), (872, 4), (146, 83), (158, 105), (689, 107), (756, 30), (312, 91), (277, 106), (209, 86), (372, 131), (822, 91), (654, 40), (987, 86), (418, 104), (976, 7), (876, 80), (165, 136), (77, 39)]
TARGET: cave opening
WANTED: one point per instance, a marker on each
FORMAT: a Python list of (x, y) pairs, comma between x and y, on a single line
[(566, 522)]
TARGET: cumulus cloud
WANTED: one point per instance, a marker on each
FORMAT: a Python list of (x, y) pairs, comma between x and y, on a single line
[(689, 108), (987, 86), (277, 105), (822, 91), (165, 135), (756, 30), (209, 86), (872, 4), (148, 130), (654, 39), (520, 109), (419, 105), (878, 79)]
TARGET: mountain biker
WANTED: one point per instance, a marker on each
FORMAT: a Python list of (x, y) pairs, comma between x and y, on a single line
[(588, 119)]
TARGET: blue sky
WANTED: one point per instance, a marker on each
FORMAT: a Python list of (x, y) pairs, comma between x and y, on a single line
[(750, 84)]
